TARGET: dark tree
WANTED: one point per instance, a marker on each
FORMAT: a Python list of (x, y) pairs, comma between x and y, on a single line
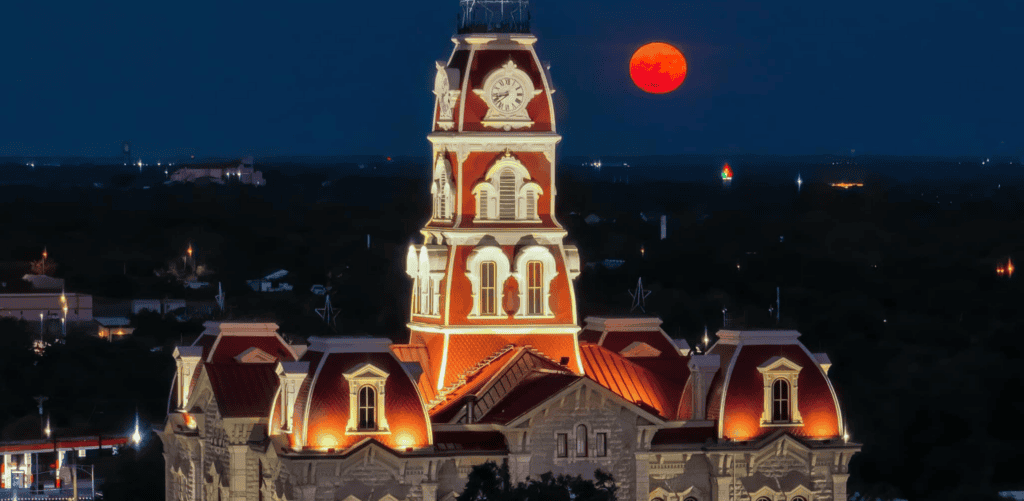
[(490, 482)]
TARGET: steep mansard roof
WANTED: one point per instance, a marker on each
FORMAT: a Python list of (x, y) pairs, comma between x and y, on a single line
[(322, 408)]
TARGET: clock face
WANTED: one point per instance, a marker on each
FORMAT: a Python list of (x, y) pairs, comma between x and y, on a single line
[(507, 94)]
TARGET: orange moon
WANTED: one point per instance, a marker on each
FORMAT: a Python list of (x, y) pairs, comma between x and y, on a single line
[(658, 68)]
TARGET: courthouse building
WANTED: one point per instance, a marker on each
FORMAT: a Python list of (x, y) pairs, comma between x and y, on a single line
[(497, 366)]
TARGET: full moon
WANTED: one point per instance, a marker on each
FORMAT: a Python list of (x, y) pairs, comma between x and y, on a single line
[(658, 68)]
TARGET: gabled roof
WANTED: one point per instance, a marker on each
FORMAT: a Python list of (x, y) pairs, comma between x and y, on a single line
[(493, 382), (534, 390), (243, 390)]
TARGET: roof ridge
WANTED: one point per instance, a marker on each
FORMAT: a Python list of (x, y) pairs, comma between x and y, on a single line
[(541, 354), (464, 377)]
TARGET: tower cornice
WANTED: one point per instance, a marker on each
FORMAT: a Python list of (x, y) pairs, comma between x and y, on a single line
[(495, 39)]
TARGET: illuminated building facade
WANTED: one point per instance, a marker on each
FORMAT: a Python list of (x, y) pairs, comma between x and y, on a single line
[(497, 367)]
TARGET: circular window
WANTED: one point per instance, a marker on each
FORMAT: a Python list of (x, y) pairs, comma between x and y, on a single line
[(763, 499), (799, 498)]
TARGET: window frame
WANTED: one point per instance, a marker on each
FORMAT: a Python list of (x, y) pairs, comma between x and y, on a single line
[(535, 288), (367, 411), (561, 445), (488, 288), (584, 440), (601, 445)]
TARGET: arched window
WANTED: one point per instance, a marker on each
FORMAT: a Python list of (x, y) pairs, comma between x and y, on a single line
[(488, 288), (799, 498), (535, 288), (367, 408), (691, 498), (581, 441), (780, 400)]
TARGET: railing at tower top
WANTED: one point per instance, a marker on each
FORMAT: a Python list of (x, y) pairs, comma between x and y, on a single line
[(493, 16)]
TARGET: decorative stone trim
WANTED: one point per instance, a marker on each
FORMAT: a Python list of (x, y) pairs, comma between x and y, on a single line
[(550, 271), (780, 369), (359, 377)]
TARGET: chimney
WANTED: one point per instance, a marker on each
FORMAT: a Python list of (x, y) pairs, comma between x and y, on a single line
[(291, 375), (187, 358), (702, 371)]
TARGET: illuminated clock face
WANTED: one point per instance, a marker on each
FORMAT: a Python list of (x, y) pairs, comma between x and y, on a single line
[(507, 94)]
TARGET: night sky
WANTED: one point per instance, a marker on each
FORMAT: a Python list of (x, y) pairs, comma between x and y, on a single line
[(354, 77)]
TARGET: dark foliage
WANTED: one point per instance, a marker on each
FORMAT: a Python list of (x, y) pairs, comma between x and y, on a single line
[(490, 482)]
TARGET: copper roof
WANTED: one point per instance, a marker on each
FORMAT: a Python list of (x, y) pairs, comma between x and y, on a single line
[(534, 390), (418, 353), (629, 380)]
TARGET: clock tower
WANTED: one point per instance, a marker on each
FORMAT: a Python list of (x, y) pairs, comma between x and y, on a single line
[(493, 269)]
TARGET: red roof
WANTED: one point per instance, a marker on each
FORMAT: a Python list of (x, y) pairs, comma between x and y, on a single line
[(243, 390), (744, 398), (725, 352), (466, 350), (618, 341), (328, 403), (532, 391), (474, 381), (630, 380), (418, 353), (230, 346), (493, 383)]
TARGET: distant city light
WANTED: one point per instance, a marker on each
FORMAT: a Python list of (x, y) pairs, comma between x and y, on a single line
[(799, 182)]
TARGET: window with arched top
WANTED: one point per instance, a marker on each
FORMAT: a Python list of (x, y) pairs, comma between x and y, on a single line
[(488, 288), (442, 190), (366, 385), (367, 408), (581, 441), (781, 393), (799, 498), (780, 400), (691, 498), (535, 268), (507, 194), (534, 288), (487, 268)]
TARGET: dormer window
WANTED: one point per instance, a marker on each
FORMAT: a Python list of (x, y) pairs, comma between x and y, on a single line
[(366, 385), (506, 193), (780, 377)]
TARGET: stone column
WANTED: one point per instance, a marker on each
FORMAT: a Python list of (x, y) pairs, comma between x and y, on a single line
[(237, 471), (642, 483), (519, 467), (720, 488), (429, 491), (839, 486)]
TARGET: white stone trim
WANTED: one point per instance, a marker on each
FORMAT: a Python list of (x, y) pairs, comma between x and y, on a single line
[(841, 425), (501, 273), (758, 337), (776, 369), (495, 329), (550, 271), (503, 236), (291, 375), (442, 188), (359, 377)]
